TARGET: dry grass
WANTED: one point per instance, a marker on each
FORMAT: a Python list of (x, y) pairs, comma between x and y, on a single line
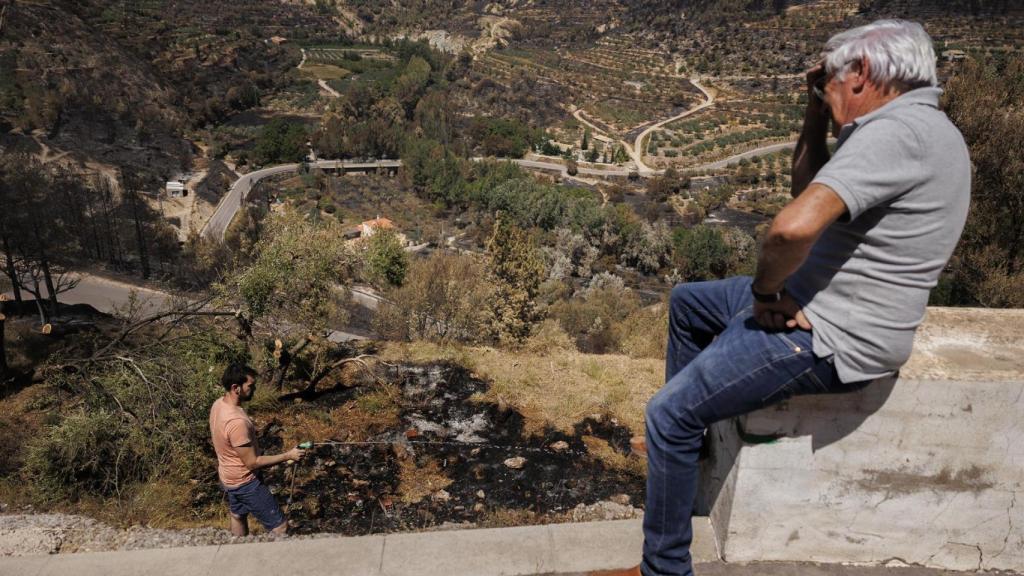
[(558, 389), (324, 71), (418, 482), (603, 451), (504, 517), (356, 420), (158, 503)]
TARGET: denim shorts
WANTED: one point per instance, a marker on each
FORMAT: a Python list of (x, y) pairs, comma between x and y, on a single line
[(255, 498)]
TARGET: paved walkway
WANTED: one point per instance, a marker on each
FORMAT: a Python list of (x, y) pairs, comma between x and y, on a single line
[(562, 549)]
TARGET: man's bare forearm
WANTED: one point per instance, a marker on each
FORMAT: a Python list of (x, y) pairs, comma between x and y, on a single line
[(258, 462), (780, 258), (811, 151), (267, 461)]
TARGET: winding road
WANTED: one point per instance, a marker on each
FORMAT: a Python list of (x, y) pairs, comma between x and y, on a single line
[(636, 151), (217, 225)]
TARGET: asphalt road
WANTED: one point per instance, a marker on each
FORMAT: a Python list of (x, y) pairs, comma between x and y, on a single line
[(115, 297), (232, 201), (217, 225)]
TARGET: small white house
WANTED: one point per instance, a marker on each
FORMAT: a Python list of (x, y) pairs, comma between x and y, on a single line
[(176, 189)]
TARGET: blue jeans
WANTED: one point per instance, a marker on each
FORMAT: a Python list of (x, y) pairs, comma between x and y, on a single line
[(255, 498), (720, 364)]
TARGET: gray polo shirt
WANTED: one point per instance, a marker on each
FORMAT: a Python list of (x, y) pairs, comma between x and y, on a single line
[(904, 173)]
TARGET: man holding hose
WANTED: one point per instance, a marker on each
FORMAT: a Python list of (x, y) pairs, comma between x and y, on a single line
[(238, 456)]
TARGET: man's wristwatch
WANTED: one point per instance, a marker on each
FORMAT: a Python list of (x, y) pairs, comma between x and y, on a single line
[(770, 298)]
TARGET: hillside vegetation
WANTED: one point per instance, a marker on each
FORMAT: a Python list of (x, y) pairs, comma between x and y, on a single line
[(122, 83)]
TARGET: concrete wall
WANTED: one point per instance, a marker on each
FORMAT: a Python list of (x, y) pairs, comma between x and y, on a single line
[(926, 469)]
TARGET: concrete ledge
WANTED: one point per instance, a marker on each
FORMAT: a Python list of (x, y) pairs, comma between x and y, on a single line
[(521, 551), (927, 469)]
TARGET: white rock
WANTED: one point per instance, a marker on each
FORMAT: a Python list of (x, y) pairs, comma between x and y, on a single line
[(515, 463)]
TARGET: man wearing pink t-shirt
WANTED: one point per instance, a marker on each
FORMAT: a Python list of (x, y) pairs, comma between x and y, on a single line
[(238, 455)]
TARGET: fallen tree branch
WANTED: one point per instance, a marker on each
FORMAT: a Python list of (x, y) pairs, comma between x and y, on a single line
[(311, 387)]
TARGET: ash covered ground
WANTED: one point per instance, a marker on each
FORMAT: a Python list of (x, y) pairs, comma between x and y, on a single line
[(452, 459)]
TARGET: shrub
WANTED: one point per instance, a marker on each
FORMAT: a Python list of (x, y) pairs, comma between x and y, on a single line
[(592, 317), (644, 333), (386, 261), (547, 338), (701, 253), (443, 299), (143, 417), (87, 453)]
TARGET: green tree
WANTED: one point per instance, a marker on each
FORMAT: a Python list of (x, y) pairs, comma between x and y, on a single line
[(619, 155), (298, 272), (435, 172), (701, 253), (410, 86), (281, 141), (386, 261), (433, 116), (503, 137)]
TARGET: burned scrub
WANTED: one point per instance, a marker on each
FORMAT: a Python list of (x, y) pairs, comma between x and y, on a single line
[(446, 463)]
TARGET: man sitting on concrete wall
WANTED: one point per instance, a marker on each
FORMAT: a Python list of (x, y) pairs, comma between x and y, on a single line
[(843, 276)]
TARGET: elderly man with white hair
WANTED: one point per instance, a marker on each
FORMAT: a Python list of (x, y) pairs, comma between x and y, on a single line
[(843, 276)]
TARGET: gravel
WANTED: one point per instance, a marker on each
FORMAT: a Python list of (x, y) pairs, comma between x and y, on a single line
[(28, 533)]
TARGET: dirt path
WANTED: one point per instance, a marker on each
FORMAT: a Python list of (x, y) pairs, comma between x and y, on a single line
[(46, 155), (599, 133), (328, 89), (322, 83), (636, 151)]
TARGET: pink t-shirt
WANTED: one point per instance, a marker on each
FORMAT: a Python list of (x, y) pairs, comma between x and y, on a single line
[(231, 428)]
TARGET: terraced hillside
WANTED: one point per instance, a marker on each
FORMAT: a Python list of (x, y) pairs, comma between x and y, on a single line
[(121, 83)]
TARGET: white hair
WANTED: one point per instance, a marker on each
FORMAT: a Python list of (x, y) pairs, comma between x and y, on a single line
[(899, 53)]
